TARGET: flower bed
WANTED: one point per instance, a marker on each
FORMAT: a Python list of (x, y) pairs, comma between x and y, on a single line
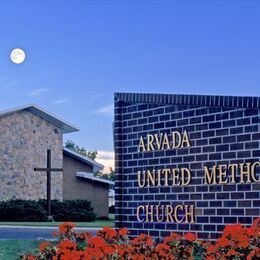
[(236, 242)]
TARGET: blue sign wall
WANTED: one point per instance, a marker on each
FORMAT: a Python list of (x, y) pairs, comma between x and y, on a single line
[(186, 163)]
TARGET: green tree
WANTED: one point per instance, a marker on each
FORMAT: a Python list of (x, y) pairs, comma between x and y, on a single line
[(108, 176), (81, 150), (112, 174)]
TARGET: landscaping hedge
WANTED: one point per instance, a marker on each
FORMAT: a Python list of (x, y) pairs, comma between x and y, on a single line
[(29, 210)]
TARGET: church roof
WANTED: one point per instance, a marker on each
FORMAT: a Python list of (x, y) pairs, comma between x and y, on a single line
[(96, 166), (53, 119), (90, 176)]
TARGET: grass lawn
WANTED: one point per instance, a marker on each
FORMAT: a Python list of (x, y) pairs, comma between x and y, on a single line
[(11, 249), (97, 223)]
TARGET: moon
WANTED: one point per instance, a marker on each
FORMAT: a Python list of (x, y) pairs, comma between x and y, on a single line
[(17, 56)]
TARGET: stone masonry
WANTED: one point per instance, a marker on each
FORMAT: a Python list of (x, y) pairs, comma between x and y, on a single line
[(24, 140), (221, 129)]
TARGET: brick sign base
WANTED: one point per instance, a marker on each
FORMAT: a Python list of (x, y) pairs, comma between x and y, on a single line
[(222, 131)]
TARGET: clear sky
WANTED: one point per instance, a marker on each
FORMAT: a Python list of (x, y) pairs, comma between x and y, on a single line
[(78, 53)]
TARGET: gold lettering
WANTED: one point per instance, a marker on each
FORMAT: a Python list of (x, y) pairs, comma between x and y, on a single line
[(158, 214), (222, 173), (176, 213), (253, 171), (185, 140), (158, 142), (245, 172), (169, 212), (141, 145), (166, 213), (162, 141), (141, 185), (165, 142), (149, 212), (138, 213), (165, 172), (150, 140), (159, 178), (233, 172), (176, 140), (150, 178), (210, 178), (175, 177), (189, 213), (188, 175)]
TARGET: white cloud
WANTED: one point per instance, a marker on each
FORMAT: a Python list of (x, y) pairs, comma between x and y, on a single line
[(107, 110), (61, 101), (107, 158), (10, 84), (95, 97), (5, 83), (3, 79), (37, 92)]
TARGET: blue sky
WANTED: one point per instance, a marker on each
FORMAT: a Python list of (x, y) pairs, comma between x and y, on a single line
[(78, 53)]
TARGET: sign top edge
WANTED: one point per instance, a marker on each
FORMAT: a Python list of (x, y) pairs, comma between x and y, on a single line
[(189, 99)]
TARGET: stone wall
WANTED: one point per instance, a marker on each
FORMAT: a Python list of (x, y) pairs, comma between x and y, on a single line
[(222, 130), (24, 140)]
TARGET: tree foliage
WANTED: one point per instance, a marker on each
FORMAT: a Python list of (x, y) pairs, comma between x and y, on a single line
[(92, 155), (81, 150), (108, 176)]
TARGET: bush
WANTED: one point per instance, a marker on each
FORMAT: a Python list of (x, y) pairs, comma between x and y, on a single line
[(28, 210), (103, 218), (71, 210), (112, 209), (22, 210), (237, 242)]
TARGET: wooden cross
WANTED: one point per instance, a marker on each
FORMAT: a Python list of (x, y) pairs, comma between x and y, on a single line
[(49, 170)]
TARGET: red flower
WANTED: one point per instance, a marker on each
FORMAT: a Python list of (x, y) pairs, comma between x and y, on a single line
[(232, 252), (110, 232), (66, 227), (96, 242), (43, 245), (172, 237), (67, 244), (211, 249), (256, 223), (244, 242), (83, 236), (233, 231), (123, 231), (162, 250), (236, 241), (190, 237), (223, 242), (108, 250), (254, 254)]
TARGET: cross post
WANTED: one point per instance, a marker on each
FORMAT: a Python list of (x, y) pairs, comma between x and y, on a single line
[(48, 170)]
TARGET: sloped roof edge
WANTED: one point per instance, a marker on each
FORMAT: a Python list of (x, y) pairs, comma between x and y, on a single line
[(90, 176), (53, 119), (96, 166)]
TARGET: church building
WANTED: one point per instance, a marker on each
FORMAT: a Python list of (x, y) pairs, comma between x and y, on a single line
[(25, 135)]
